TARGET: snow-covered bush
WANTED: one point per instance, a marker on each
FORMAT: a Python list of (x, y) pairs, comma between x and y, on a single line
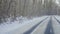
[(11, 20)]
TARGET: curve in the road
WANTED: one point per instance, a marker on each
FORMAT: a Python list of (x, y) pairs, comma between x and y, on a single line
[(49, 29), (32, 29)]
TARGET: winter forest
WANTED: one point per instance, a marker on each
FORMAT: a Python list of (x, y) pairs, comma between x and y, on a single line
[(29, 16), (11, 9)]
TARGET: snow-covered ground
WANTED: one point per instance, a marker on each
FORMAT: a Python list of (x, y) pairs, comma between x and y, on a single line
[(56, 25), (58, 17), (10, 26), (41, 28)]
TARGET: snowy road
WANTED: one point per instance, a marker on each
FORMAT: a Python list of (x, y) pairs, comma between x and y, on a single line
[(41, 25)]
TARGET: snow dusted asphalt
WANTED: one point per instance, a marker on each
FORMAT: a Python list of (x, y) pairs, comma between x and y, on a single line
[(6, 28), (38, 25)]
